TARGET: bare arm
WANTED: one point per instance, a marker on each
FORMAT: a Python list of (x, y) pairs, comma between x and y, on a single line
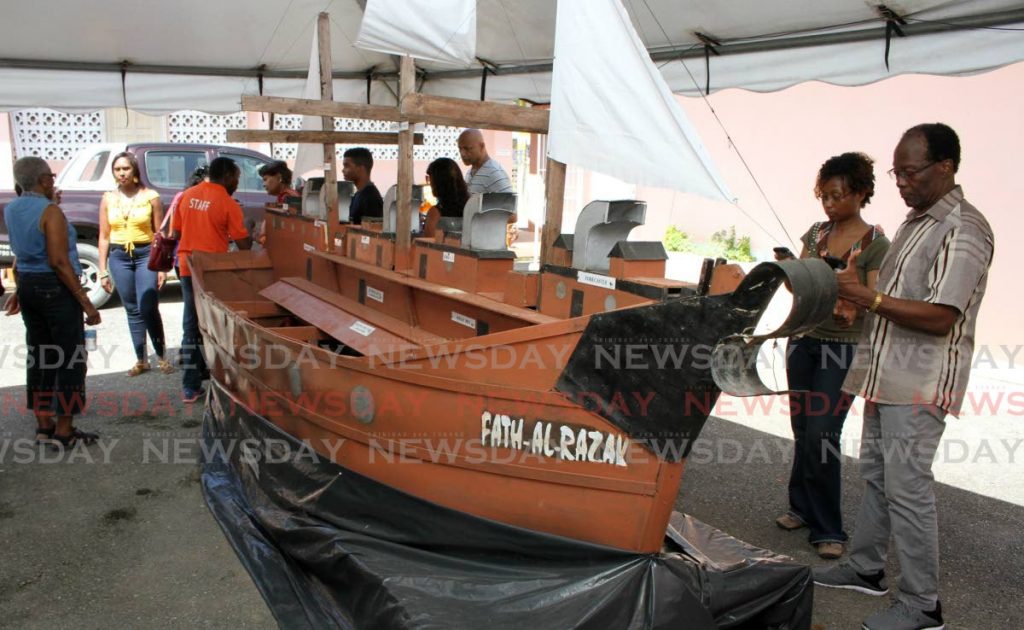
[(158, 213), (13, 307), (55, 229), (935, 319), (104, 236)]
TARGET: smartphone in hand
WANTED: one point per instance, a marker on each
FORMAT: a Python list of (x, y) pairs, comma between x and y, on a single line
[(783, 253), (835, 262)]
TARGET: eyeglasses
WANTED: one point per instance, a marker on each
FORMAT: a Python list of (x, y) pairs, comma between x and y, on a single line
[(909, 173)]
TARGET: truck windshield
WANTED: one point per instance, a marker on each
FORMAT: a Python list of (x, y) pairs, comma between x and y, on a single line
[(171, 169)]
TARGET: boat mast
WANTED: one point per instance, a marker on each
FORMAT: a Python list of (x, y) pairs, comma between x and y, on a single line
[(403, 238), (323, 26)]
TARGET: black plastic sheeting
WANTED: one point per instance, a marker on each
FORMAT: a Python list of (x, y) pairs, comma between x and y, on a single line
[(328, 547)]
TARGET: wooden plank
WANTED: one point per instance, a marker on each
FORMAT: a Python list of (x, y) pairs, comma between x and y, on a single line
[(309, 107), (525, 315), (323, 29), (403, 239), (370, 315), (458, 112), (254, 309), (555, 185), (316, 137), (309, 334)]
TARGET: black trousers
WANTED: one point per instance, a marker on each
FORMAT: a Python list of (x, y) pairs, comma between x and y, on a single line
[(56, 359), (817, 415)]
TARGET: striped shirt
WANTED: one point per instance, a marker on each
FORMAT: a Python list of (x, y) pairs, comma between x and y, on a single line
[(489, 178), (940, 256)]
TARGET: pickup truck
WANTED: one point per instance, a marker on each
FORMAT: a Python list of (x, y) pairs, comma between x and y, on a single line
[(165, 167)]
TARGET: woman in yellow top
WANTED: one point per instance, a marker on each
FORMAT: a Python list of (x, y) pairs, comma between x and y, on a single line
[(129, 216)]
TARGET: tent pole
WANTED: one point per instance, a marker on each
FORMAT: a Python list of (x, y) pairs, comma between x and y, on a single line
[(403, 238), (323, 26)]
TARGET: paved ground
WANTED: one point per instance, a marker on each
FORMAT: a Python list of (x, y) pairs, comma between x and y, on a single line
[(125, 540)]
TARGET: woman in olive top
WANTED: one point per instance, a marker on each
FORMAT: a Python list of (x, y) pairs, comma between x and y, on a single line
[(818, 361), (129, 216)]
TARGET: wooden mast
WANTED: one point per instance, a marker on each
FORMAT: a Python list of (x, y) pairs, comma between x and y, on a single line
[(323, 26), (554, 195), (412, 108), (403, 219)]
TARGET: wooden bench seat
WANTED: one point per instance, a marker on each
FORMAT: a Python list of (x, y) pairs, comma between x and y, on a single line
[(367, 331)]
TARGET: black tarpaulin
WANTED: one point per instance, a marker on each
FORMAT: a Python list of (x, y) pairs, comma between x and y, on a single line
[(328, 547)]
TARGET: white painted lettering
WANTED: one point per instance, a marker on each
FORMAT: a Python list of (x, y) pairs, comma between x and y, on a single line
[(581, 446), (485, 428), (595, 443), (537, 443), (621, 446), (566, 440), (517, 434)]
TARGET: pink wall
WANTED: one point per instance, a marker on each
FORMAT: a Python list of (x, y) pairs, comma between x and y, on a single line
[(785, 136)]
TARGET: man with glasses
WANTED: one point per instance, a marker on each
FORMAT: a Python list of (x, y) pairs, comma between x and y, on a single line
[(911, 368)]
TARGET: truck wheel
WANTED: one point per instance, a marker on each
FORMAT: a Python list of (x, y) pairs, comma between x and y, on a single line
[(89, 257)]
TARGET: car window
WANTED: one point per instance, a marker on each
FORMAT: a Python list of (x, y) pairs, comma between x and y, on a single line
[(93, 169), (250, 180), (171, 169)]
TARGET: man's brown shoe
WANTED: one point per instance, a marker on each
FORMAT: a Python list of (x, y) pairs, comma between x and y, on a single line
[(789, 522), (830, 550)]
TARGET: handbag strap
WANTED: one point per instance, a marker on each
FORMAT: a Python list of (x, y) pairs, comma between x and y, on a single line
[(167, 217)]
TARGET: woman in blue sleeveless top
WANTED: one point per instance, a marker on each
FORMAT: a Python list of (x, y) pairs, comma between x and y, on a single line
[(52, 304)]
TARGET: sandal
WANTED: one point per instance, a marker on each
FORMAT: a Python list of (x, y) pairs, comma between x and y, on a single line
[(165, 366), (139, 368), (76, 436), (44, 436)]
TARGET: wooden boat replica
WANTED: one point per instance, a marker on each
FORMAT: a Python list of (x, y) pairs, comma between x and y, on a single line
[(563, 401)]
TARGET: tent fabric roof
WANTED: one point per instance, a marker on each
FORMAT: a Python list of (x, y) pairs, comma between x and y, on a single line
[(197, 54)]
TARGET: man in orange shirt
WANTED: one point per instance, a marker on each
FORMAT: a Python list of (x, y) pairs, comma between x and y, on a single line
[(206, 220)]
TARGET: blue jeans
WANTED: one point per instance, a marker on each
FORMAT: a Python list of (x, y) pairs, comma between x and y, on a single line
[(136, 285), (193, 370), (56, 360), (817, 415)]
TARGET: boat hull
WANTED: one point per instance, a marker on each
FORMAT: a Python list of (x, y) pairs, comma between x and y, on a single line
[(522, 455)]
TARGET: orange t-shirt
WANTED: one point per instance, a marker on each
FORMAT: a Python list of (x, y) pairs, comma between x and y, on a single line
[(207, 218)]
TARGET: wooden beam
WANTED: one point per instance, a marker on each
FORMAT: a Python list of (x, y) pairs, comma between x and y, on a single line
[(316, 137), (403, 239), (555, 185), (459, 112), (308, 107), (323, 30)]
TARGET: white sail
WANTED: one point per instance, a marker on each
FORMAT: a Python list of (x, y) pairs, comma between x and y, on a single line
[(440, 30), (611, 110), (310, 157)]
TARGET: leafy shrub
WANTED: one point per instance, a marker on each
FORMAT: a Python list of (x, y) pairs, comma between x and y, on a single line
[(723, 244)]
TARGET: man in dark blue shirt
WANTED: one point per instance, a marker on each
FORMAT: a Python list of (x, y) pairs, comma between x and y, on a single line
[(356, 165)]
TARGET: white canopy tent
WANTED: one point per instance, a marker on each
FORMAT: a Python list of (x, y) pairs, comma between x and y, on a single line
[(197, 54)]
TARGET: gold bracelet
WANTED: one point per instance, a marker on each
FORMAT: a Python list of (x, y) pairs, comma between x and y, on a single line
[(876, 302)]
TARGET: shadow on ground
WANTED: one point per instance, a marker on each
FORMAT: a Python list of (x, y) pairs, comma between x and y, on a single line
[(117, 536), (740, 487), (123, 538)]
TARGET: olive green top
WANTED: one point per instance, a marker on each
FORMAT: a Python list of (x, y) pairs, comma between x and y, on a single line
[(869, 260)]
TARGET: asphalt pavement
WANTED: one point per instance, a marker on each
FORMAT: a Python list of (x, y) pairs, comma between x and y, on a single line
[(123, 537)]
